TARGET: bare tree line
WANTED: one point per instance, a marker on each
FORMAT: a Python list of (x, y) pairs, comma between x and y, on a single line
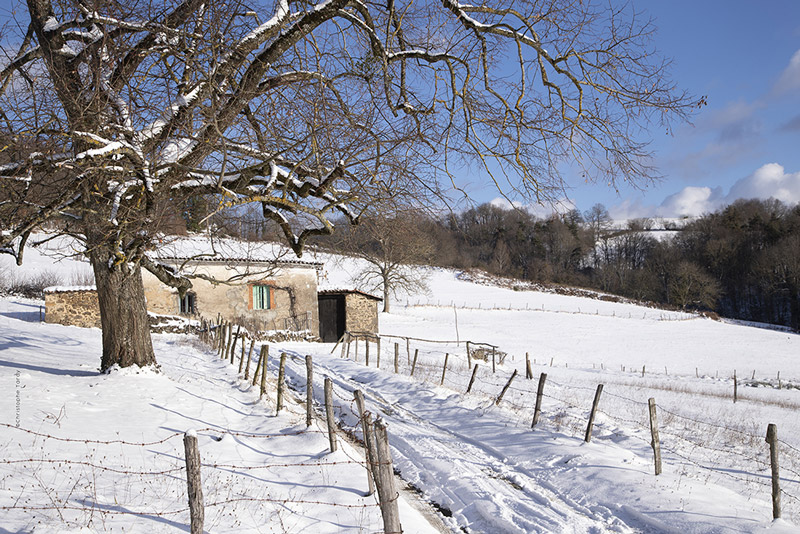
[(741, 261)]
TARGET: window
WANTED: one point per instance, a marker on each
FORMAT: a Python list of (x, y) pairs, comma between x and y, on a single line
[(262, 298), (187, 304)]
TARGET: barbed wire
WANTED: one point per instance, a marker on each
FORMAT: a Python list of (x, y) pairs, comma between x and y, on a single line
[(93, 441), (661, 408), (93, 466)]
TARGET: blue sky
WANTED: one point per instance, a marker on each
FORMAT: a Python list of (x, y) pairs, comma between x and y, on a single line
[(745, 56)]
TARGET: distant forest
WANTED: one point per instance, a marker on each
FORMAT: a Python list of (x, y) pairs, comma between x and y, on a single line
[(742, 261)]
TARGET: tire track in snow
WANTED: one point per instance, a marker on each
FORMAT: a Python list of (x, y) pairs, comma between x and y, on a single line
[(483, 488)]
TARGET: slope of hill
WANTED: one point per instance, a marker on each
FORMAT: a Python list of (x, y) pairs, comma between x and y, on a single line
[(478, 460)]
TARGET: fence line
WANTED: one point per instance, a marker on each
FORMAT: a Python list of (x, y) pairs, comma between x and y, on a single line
[(674, 428), (103, 456)]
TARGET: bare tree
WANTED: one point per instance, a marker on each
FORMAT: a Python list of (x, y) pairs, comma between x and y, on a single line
[(690, 287), (393, 249), (111, 112)]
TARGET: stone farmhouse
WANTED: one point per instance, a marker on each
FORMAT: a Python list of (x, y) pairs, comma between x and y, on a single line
[(259, 286)]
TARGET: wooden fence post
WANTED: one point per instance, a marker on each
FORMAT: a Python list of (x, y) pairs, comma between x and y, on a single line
[(366, 342), (233, 347), (537, 410), (444, 367), (362, 416), (329, 413), (309, 390), (265, 354), (469, 355), (772, 439), (249, 357), (378, 355), (414, 365), (194, 483), (396, 358), (263, 387), (345, 343), (230, 342), (281, 386), (735, 387), (222, 332), (528, 371), (371, 448), (244, 349), (505, 388), (494, 365), (337, 343), (588, 437), (259, 363), (655, 443), (472, 378), (349, 340), (226, 341), (387, 491)]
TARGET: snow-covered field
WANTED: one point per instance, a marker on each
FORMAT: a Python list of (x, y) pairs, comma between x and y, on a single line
[(479, 462)]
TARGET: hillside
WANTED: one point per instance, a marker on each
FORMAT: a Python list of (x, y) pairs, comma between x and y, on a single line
[(478, 462)]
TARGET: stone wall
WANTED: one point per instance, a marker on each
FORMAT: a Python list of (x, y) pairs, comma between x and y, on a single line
[(77, 307), (361, 313)]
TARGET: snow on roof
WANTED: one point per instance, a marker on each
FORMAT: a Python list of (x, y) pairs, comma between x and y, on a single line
[(199, 248), (230, 259), (337, 290), (65, 289)]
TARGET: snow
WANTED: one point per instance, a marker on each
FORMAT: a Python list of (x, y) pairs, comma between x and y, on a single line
[(65, 289), (104, 452), (51, 24), (478, 460), (66, 50)]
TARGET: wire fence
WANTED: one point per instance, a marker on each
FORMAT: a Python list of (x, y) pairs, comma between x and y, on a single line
[(654, 314), (719, 449), (78, 482)]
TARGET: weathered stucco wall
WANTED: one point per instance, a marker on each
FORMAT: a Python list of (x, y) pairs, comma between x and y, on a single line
[(361, 313), (294, 289), (72, 308)]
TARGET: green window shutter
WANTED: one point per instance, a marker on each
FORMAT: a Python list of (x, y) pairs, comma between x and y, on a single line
[(261, 300)]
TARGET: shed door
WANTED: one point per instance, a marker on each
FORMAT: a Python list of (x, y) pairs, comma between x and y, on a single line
[(331, 318)]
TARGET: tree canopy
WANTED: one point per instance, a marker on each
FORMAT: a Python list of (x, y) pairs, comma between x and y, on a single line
[(114, 113)]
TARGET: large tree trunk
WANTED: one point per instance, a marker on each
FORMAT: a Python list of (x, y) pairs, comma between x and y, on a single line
[(123, 314)]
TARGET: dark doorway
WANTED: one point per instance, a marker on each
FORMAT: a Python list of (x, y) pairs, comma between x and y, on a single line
[(331, 318)]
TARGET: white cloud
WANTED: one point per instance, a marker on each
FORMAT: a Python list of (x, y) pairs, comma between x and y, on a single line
[(768, 181), (789, 80), (690, 201)]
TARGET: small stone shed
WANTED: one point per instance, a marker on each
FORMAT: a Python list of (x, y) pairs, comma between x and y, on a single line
[(72, 306), (349, 310)]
